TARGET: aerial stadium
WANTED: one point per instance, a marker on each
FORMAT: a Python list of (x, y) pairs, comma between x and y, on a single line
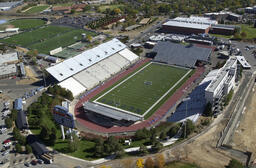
[(120, 92)]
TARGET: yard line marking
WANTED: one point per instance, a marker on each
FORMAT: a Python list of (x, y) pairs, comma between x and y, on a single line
[(167, 92)]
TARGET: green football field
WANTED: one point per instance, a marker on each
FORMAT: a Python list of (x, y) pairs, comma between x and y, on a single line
[(145, 89), (47, 38)]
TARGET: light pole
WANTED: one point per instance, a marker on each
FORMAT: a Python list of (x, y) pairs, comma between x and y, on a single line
[(185, 129)]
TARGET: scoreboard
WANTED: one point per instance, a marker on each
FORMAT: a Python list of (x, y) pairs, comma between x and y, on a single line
[(62, 116)]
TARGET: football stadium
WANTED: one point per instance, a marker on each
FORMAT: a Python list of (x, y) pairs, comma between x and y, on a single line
[(144, 89), (120, 92)]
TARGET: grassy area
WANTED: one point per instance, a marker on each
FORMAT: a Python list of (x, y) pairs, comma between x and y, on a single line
[(85, 150), (27, 38), (47, 38), (140, 92), (180, 165), (59, 41), (64, 4), (23, 24), (249, 30), (111, 7), (222, 36), (36, 9)]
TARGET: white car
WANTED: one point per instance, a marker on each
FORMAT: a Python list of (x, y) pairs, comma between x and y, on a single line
[(3, 130), (5, 153), (7, 144)]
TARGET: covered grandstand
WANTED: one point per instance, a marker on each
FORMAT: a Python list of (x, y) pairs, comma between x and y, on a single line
[(181, 55), (92, 67), (108, 117)]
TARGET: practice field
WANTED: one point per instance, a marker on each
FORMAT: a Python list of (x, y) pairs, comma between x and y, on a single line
[(47, 38), (36, 9), (141, 92), (24, 24)]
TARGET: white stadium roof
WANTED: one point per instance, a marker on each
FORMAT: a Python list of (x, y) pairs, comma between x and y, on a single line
[(71, 84), (82, 61), (128, 55), (186, 24)]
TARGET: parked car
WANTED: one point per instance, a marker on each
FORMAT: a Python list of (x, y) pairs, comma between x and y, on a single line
[(40, 161), (34, 162), (5, 153), (27, 164)]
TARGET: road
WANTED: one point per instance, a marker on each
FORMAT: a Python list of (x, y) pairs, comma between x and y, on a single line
[(145, 33)]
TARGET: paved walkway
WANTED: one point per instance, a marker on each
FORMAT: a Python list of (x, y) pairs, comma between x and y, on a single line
[(158, 115)]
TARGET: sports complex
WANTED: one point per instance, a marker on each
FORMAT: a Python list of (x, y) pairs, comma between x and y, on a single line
[(120, 92)]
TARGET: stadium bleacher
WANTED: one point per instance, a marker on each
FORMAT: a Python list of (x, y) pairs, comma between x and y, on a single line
[(86, 79), (98, 72), (128, 55), (194, 106)]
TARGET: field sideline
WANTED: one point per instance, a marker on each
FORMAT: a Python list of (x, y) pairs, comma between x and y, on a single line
[(145, 89)]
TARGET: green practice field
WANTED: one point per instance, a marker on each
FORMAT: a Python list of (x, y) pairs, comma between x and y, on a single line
[(36, 9), (47, 38), (24, 24), (140, 93)]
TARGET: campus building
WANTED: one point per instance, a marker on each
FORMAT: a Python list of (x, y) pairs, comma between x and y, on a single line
[(223, 82), (191, 25)]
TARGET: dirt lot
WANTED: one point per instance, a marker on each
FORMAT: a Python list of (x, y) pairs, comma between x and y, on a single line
[(203, 150), (244, 137)]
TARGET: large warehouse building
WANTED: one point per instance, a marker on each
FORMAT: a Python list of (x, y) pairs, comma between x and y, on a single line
[(93, 66), (191, 25)]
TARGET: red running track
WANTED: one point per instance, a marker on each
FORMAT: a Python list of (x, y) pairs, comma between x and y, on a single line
[(146, 123)]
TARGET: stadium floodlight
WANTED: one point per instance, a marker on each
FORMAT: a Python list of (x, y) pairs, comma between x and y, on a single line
[(186, 99)]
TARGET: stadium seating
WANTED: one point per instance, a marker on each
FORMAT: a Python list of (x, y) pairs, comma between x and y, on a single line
[(121, 60), (129, 55), (97, 71), (191, 107), (86, 79), (109, 66), (114, 59)]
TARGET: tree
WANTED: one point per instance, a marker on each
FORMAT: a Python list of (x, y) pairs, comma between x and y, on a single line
[(18, 148), (73, 145), (208, 110), (8, 122), (190, 127), (157, 146), (149, 163), (142, 134), (233, 163), (160, 161), (163, 135), (28, 149), (140, 163), (14, 114), (174, 130), (89, 38), (243, 35), (87, 8), (143, 150)]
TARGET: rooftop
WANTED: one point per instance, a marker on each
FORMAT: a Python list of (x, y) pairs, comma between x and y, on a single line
[(177, 23), (179, 54), (9, 4), (109, 112), (8, 58), (8, 69), (221, 74), (84, 60), (196, 19)]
